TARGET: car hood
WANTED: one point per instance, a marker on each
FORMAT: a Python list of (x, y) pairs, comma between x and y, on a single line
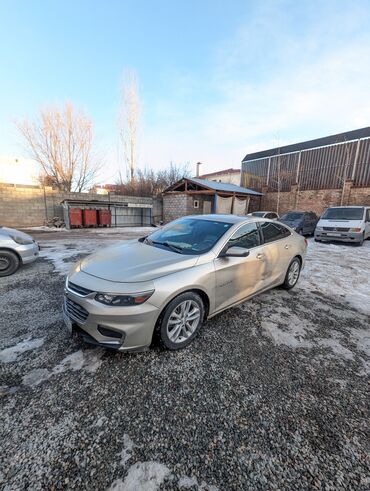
[(323, 222), (12, 231), (291, 223), (135, 262)]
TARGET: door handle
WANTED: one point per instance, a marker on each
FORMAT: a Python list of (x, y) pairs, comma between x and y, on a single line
[(287, 246), (260, 256)]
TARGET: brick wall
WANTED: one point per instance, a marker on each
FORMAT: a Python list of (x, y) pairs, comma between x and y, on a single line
[(30, 206), (315, 200)]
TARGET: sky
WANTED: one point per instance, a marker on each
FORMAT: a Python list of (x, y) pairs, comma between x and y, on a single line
[(218, 79)]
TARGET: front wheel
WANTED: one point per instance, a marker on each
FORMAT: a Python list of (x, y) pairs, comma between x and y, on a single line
[(361, 241), (9, 263), (180, 321), (292, 274)]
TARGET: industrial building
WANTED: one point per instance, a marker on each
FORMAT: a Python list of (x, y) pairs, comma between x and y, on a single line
[(314, 174)]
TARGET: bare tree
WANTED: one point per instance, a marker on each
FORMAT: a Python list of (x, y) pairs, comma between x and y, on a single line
[(148, 182), (129, 121), (61, 141)]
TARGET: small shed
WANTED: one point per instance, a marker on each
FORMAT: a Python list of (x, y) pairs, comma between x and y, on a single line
[(191, 196)]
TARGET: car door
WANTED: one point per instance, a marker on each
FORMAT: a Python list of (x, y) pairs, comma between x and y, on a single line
[(367, 223), (240, 277), (276, 251)]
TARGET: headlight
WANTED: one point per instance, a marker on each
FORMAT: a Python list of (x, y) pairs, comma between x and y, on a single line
[(123, 300), (357, 229), (22, 240), (319, 229)]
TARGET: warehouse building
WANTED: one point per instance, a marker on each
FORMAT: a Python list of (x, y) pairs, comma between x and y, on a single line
[(312, 175)]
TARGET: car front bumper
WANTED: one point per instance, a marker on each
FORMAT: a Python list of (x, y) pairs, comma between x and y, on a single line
[(120, 328), (339, 236), (28, 253)]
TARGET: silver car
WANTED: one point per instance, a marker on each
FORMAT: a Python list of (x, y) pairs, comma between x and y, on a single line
[(16, 248), (167, 284)]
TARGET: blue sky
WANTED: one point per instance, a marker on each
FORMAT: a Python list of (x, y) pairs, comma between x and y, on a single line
[(218, 79)]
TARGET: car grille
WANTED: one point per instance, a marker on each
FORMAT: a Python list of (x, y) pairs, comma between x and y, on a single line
[(80, 290), (336, 229), (75, 310)]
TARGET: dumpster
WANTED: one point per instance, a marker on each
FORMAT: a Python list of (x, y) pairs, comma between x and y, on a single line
[(104, 218), (89, 218), (75, 217)]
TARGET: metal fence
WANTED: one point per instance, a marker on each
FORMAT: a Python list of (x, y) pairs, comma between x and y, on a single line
[(317, 168)]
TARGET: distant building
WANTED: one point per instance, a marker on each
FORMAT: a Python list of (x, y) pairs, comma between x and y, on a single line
[(312, 175), (194, 196), (18, 170), (230, 176)]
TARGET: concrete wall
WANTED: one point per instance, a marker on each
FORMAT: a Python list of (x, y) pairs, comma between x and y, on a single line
[(29, 206), (315, 200), (179, 205)]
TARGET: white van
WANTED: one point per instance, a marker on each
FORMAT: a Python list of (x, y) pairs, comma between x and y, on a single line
[(344, 223)]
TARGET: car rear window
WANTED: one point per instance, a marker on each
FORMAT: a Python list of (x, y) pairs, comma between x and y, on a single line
[(292, 216)]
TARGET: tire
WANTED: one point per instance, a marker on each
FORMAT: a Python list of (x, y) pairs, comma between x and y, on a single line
[(171, 331), (361, 241), (292, 275), (9, 263), (317, 240)]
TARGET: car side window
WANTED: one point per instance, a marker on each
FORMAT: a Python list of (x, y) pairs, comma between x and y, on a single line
[(246, 236), (271, 216), (368, 215), (273, 231)]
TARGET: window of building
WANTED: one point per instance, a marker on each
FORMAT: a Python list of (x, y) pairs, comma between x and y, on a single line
[(196, 203)]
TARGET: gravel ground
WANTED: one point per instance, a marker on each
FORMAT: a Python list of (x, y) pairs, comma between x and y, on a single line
[(273, 394)]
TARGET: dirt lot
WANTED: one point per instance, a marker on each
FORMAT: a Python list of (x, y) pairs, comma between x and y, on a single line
[(271, 395)]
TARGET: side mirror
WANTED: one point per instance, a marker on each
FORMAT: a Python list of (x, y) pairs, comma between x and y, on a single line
[(234, 251)]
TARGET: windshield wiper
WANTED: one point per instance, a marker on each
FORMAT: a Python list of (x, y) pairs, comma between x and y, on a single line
[(166, 244)]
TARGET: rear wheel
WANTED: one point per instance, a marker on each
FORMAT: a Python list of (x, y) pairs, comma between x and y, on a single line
[(9, 263), (180, 321), (292, 274)]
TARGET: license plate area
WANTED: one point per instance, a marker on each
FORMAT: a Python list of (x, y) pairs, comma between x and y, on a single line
[(333, 234)]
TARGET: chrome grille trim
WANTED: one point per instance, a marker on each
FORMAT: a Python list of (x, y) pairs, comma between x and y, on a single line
[(75, 310), (78, 290)]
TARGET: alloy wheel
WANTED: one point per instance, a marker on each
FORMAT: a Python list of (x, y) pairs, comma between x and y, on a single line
[(293, 273), (183, 321), (4, 263)]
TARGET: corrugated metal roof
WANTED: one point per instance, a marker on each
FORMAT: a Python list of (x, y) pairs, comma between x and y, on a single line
[(218, 186), (318, 142)]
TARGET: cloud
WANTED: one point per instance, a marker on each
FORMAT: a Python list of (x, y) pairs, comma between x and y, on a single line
[(288, 74)]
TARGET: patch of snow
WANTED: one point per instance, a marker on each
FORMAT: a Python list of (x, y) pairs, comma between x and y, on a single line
[(143, 476), (340, 271), (125, 453), (11, 354), (43, 228), (89, 360), (123, 230), (64, 255)]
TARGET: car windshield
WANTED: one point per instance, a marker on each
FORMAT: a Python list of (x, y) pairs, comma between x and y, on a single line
[(292, 216), (189, 235), (258, 213), (343, 214)]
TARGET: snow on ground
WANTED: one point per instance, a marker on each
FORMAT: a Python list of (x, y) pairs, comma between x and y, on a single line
[(341, 271), (64, 255), (125, 453), (146, 476), (88, 360), (99, 230), (8, 355)]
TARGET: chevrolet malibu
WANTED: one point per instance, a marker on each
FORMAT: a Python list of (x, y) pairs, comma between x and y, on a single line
[(165, 285)]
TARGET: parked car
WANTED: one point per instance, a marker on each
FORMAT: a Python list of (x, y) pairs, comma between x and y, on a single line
[(16, 248), (303, 222), (171, 281), (265, 214), (345, 224)]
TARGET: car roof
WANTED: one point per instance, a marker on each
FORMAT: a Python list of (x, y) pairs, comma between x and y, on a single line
[(222, 218), (349, 206)]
